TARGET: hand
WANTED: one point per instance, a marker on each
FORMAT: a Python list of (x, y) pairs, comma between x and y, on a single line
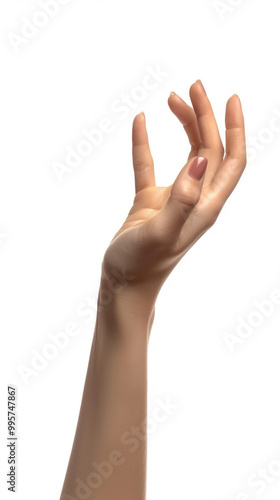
[(164, 222)]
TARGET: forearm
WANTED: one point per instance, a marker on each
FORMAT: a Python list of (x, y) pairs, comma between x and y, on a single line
[(111, 425)]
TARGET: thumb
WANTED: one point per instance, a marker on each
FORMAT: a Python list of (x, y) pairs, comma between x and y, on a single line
[(184, 195)]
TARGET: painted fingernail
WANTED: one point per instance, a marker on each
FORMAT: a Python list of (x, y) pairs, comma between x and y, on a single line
[(202, 86), (198, 167)]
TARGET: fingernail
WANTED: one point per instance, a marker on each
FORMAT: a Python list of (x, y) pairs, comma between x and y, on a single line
[(173, 93), (198, 167), (202, 86)]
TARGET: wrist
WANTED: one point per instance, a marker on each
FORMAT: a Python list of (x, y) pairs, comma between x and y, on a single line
[(125, 305)]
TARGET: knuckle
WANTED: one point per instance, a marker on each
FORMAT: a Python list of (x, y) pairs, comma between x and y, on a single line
[(186, 201), (140, 166), (211, 212), (238, 158), (215, 145), (212, 218)]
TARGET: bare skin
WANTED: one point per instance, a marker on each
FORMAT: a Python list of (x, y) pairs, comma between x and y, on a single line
[(163, 223)]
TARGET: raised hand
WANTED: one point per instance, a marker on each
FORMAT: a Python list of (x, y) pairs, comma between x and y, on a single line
[(164, 222)]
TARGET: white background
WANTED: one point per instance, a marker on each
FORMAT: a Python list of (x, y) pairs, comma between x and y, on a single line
[(54, 233)]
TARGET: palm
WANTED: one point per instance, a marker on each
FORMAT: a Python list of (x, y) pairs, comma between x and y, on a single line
[(130, 244), (147, 204)]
